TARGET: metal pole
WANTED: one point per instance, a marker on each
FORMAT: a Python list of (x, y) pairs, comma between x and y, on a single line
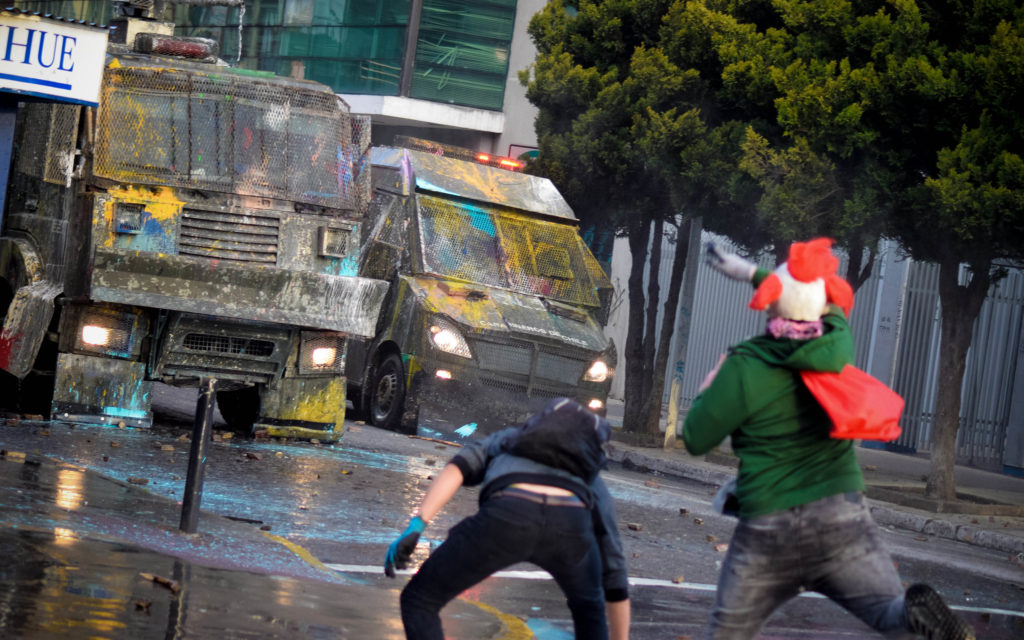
[(197, 456)]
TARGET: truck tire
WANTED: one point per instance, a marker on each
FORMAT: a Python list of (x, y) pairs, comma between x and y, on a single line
[(387, 393), (240, 408)]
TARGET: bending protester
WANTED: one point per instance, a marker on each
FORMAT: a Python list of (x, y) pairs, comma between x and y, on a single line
[(541, 501)]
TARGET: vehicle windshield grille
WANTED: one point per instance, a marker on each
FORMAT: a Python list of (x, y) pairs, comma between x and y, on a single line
[(229, 133), (504, 249)]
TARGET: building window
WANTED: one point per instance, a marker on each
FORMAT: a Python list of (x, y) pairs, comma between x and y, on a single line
[(462, 52), (354, 46)]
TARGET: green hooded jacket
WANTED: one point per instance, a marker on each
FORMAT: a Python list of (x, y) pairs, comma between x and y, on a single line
[(779, 431)]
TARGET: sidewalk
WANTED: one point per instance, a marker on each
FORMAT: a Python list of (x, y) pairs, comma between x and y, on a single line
[(989, 513)]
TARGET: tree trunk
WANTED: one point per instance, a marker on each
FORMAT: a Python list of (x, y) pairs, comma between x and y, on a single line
[(639, 231), (857, 274), (668, 325), (651, 325), (960, 307)]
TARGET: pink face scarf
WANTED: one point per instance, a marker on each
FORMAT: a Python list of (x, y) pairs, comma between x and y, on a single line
[(793, 329)]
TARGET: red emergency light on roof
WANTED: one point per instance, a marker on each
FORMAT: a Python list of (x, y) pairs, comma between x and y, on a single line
[(498, 161)]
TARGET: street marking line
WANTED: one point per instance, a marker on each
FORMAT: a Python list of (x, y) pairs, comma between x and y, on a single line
[(299, 551), (645, 582)]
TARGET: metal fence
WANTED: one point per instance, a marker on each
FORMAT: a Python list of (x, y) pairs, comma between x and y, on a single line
[(986, 394)]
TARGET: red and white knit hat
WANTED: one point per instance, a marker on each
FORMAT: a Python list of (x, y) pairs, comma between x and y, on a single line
[(802, 287)]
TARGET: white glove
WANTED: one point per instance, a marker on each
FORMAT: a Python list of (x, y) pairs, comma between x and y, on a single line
[(730, 264)]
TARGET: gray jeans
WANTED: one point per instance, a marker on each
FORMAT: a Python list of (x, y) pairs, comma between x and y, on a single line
[(831, 546)]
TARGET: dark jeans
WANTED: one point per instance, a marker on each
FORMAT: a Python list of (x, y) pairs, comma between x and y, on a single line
[(831, 546), (505, 531)]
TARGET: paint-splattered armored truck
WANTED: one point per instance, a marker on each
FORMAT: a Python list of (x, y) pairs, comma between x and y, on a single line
[(201, 222), (494, 300)]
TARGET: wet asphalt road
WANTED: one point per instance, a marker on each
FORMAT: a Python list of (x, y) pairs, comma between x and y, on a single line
[(340, 505)]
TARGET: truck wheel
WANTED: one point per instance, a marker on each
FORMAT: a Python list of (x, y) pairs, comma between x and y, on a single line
[(387, 393), (240, 408)]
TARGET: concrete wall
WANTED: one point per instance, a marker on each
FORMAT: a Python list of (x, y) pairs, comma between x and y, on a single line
[(519, 113)]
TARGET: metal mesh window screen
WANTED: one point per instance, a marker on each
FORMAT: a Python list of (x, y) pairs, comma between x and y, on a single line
[(485, 245), (226, 132), (56, 126), (62, 138), (362, 176), (462, 242), (386, 247)]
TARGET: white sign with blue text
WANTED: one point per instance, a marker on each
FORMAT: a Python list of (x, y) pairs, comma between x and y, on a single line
[(51, 58)]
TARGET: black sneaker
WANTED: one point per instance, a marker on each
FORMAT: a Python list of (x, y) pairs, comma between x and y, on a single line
[(930, 617)]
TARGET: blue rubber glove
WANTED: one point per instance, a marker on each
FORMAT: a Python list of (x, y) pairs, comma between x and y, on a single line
[(401, 550)]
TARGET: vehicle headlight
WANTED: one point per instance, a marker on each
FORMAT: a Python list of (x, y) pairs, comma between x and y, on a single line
[(107, 332), (445, 336), (322, 353), (598, 372)]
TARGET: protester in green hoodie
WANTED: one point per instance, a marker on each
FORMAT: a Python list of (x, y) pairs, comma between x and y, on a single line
[(803, 523)]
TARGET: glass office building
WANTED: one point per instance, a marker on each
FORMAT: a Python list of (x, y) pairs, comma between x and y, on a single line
[(449, 51)]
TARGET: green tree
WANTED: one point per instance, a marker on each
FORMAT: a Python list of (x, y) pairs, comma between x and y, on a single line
[(898, 118), (616, 130), (778, 120)]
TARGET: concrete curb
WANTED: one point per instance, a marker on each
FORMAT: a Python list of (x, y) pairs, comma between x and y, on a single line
[(884, 514)]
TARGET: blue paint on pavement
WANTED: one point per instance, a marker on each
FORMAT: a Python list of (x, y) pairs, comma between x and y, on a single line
[(544, 630)]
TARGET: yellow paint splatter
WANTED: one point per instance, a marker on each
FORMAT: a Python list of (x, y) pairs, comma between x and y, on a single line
[(515, 629)]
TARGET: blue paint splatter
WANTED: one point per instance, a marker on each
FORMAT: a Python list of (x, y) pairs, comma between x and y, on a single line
[(544, 630), (124, 413), (466, 430), (480, 220)]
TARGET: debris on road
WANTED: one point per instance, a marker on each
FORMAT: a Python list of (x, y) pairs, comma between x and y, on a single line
[(160, 580)]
